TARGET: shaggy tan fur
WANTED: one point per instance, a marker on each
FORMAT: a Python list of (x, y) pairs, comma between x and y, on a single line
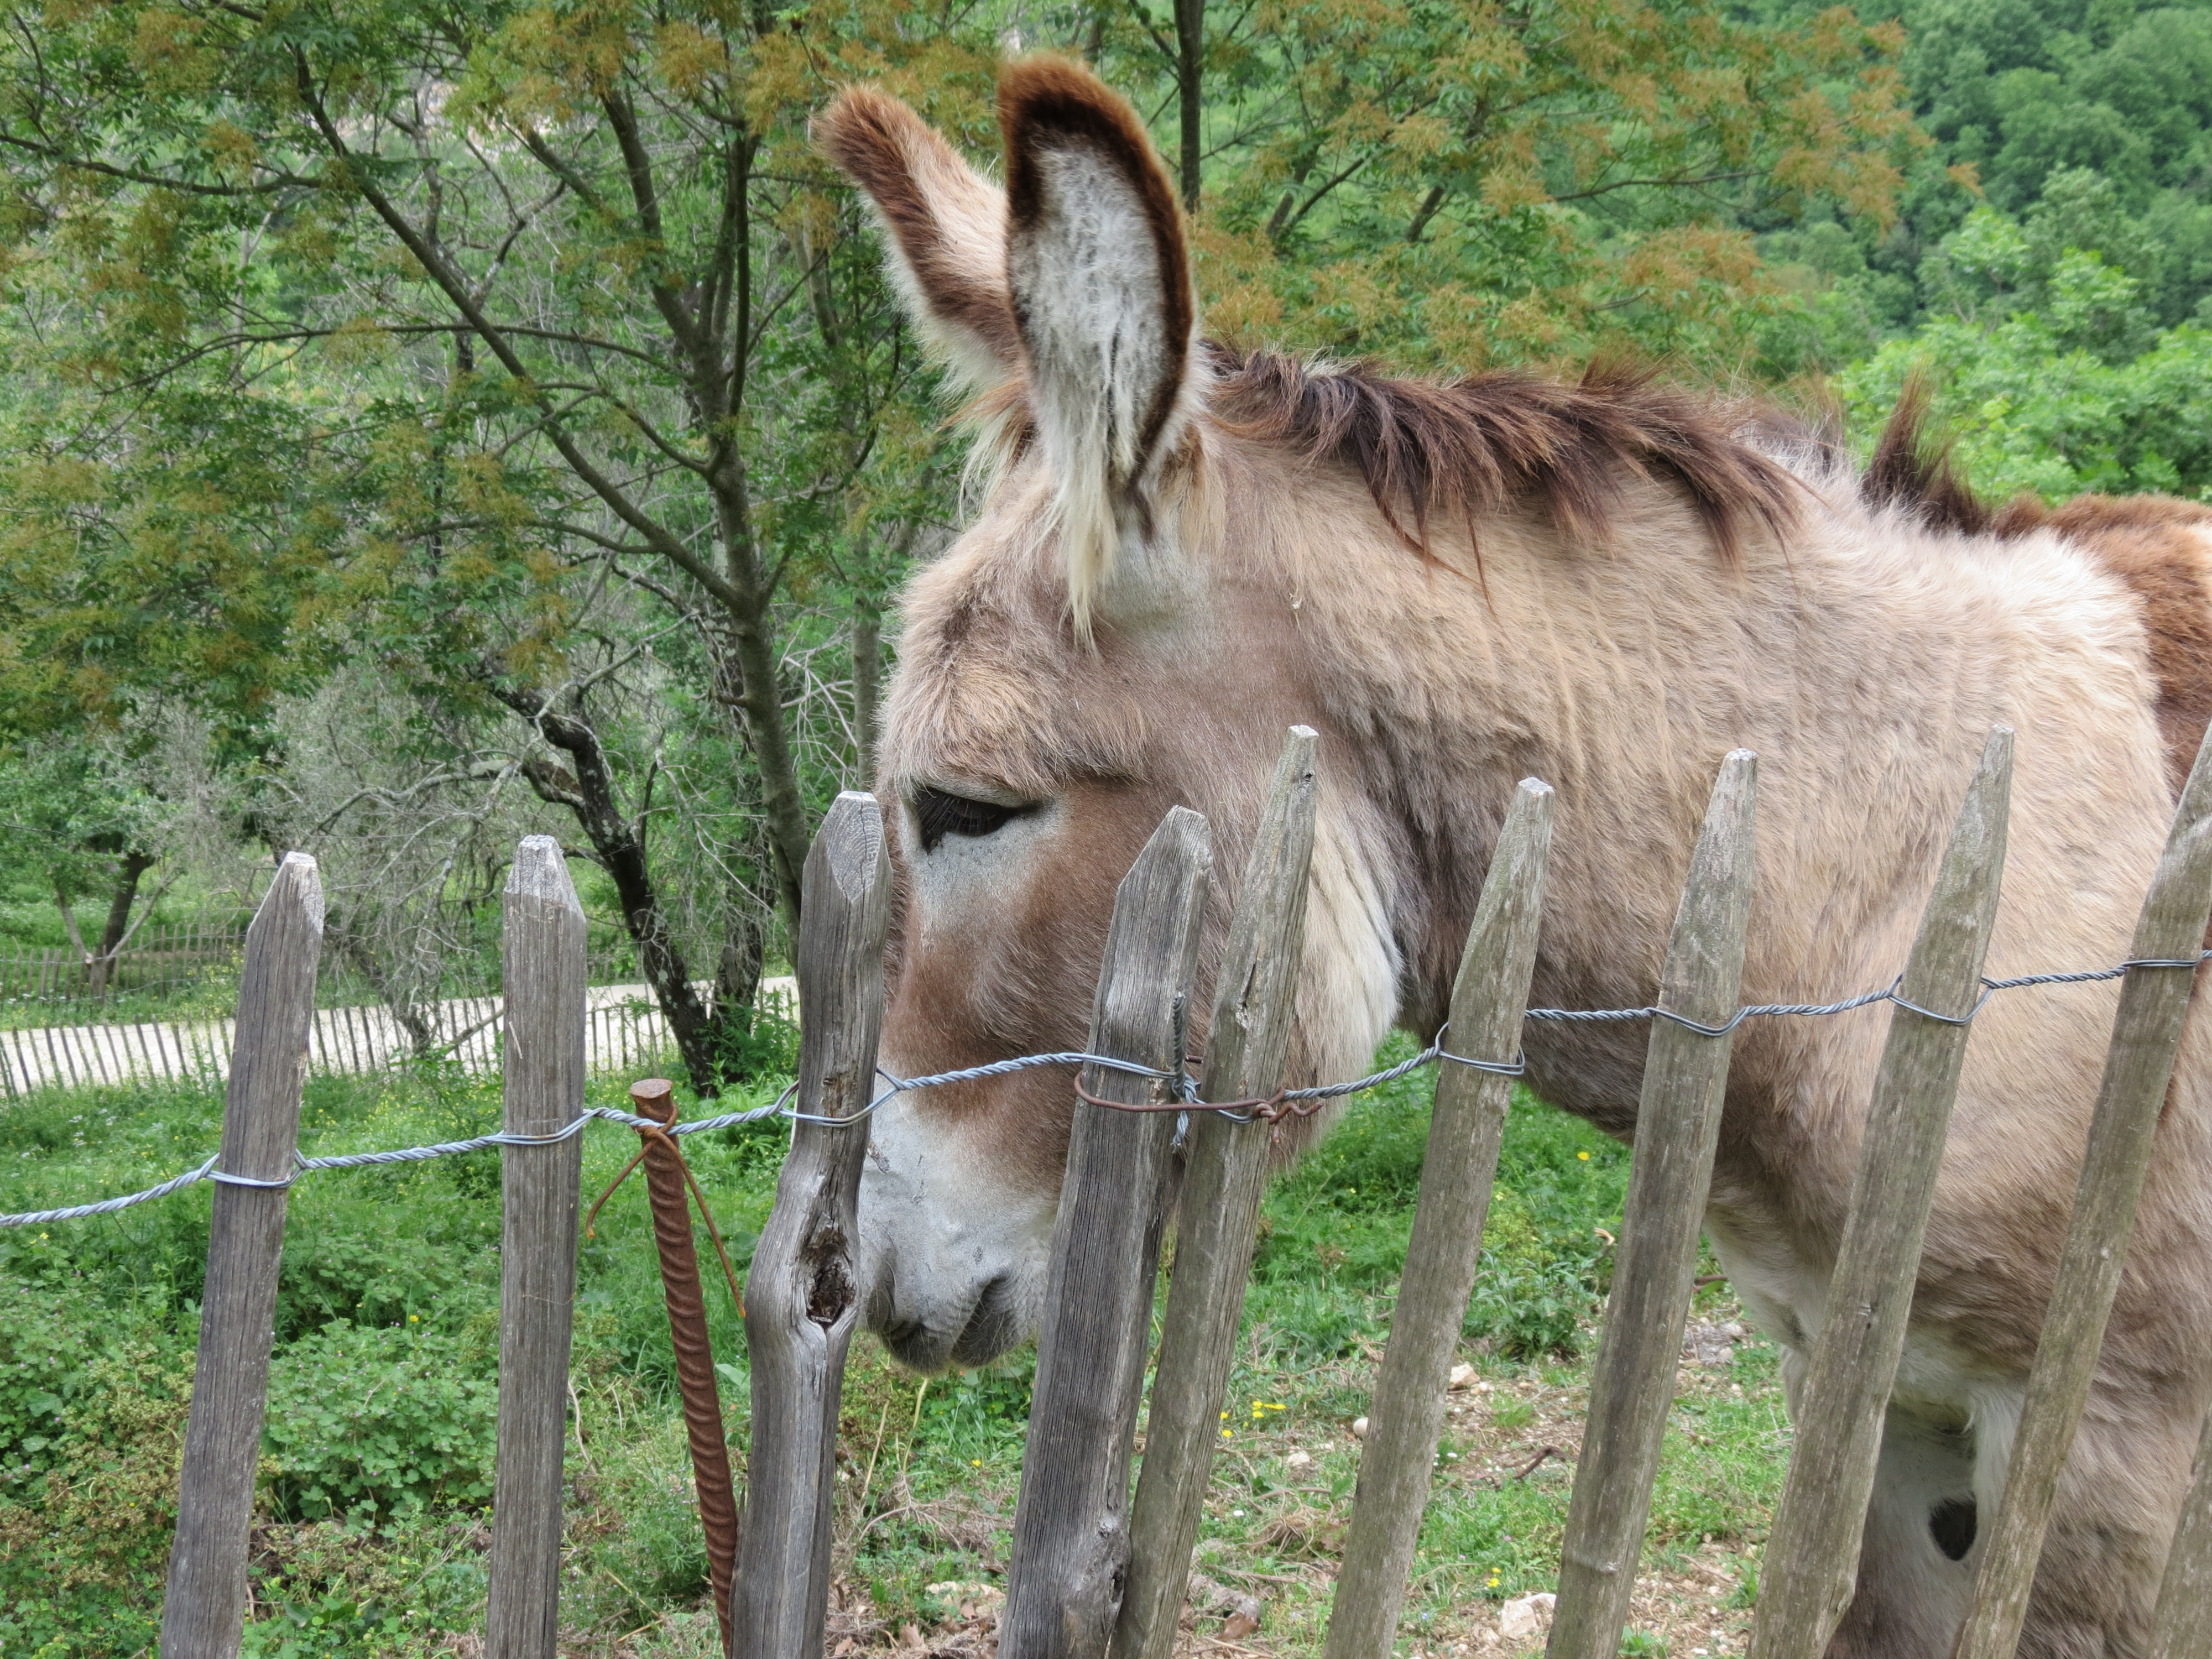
[(1862, 653), (2161, 548)]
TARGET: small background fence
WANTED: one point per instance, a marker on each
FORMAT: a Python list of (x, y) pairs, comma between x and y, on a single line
[(624, 1029), (163, 960), (195, 963)]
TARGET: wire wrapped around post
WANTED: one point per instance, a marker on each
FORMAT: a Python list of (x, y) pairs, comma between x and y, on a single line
[(665, 1189)]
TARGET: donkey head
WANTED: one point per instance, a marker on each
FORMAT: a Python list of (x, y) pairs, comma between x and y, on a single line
[(1060, 682)]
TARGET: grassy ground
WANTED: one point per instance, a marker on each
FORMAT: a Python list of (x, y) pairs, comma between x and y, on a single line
[(372, 1523)]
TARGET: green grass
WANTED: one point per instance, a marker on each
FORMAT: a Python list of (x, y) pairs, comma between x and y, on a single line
[(372, 1522)]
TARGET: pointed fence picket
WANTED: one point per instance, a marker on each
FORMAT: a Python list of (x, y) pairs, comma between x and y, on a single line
[(1093, 1571)]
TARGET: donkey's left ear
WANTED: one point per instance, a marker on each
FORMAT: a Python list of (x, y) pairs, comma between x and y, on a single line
[(1100, 276)]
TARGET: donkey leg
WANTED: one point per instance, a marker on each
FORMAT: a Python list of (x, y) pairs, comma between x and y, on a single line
[(1915, 1556)]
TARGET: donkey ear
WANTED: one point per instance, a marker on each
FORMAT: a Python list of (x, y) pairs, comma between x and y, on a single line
[(947, 225), (1102, 293)]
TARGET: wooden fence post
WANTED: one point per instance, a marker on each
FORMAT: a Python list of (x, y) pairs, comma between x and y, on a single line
[(1406, 1413), (1247, 1043), (2146, 1039), (1071, 1547), (1811, 1566), (2182, 1628), (543, 1089), (1677, 1127), (802, 1294), (205, 1611)]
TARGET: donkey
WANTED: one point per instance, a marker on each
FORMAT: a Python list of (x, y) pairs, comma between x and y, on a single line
[(1180, 549)]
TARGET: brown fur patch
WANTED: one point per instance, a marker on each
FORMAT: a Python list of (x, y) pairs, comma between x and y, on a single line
[(2158, 547), (1047, 102), (915, 177), (1482, 444)]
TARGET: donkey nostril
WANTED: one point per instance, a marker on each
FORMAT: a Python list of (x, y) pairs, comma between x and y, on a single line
[(1953, 1523)]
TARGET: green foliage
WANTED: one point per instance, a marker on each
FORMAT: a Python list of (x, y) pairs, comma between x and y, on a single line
[(1448, 187), (1545, 1259), (333, 1624), (45, 1354), (2053, 380), (93, 1398), (382, 1419)]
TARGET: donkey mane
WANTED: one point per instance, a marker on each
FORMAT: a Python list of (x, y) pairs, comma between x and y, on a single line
[(1488, 442), (1913, 472)]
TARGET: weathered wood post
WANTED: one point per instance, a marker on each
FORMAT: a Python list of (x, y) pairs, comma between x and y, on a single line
[(1406, 1413), (1811, 1564), (543, 1089), (2146, 1039), (1247, 1043), (204, 1614), (1071, 1522), (802, 1293), (1677, 1127)]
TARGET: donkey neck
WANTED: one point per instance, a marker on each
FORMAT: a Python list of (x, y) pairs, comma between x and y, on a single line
[(1864, 667)]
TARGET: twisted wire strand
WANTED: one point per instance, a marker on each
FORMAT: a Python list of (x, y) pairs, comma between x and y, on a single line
[(1186, 1086)]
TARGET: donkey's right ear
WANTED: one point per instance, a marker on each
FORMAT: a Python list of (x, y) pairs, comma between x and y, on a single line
[(947, 231)]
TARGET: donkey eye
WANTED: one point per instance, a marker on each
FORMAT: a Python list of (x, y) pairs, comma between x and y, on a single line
[(943, 815)]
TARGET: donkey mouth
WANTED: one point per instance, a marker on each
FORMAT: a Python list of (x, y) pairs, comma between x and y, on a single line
[(994, 1325)]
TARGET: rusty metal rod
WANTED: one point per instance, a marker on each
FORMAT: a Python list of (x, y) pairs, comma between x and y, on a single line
[(664, 1186)]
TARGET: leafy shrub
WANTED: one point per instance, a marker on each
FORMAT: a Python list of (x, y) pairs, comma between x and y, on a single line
[(757, 1043), (373, 1265), (45, 1346), (389, 1419), (320, 1629), (83, 1535)]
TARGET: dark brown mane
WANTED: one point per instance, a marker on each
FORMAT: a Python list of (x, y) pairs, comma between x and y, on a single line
[(1493, 440), (1913, 472)]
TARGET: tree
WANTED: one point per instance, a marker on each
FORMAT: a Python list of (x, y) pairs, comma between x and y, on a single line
[(2048, 371), (73, 819), (603, 217), (1448, 186)]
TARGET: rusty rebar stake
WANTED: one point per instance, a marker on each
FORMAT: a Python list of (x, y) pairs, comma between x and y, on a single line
[(664, 1186)]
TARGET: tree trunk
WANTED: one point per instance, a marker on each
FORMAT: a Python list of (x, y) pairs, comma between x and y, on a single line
[(1190, 67), (868, 690), (361, 955), (751, 630), (100, 960), (589, 793), (134, 865), (737, 980)]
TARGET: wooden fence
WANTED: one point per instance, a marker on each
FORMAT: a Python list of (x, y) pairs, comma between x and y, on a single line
[(1096, 1570), (624, 1029), (163, 957)]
